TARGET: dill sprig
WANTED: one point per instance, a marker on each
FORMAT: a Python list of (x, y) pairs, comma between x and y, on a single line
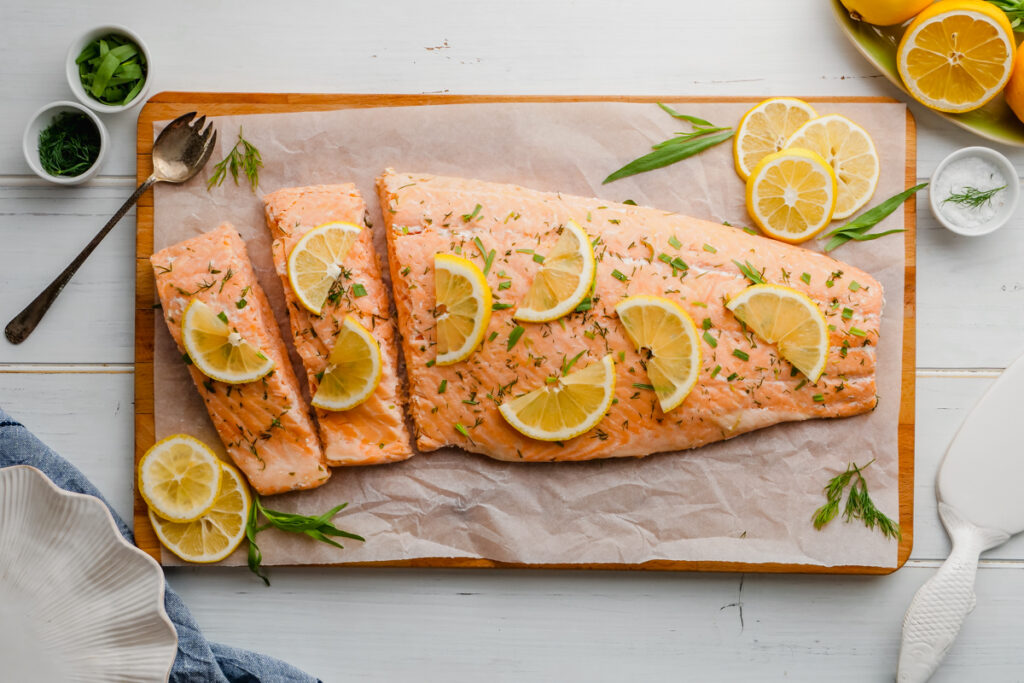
[(318, 528), (247, 160), (69, 146), (973, 197), (858, 503)]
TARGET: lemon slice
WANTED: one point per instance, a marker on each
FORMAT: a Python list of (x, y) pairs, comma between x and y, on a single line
[(217, 533), (791, 194), (179, 477), (565, 407), (353, 369), (563, 281), (850, 151), (669, 336), (765, 129), (217, 348), (462, 307), (786, 317), (956, 55), (317, 260)]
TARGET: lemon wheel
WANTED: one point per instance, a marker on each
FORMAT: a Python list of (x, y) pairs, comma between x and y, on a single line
[(217, 348), (785, 317), (179, 477), (765, 128), (317, 260), (462, 307), (566, 407), (669, 335), (353, 369), (564, 280), (791, 194)]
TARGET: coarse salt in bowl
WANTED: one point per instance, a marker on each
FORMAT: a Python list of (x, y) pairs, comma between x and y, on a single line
[(970, 171)]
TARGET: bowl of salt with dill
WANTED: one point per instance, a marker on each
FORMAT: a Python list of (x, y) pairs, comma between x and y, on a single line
[(974, 191), (64, 143)]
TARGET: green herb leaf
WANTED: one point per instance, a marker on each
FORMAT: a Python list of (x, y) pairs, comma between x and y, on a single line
[(973, 197), (671, 154), (498, 306), (223, 316), (858, 228), (685, 117), (750, 272), (358, 290), (858, 503), (69, 145), (742, 355), (467, 217), (712, 342), (243, 157), (442, 386), (619, 276), (516, 333)]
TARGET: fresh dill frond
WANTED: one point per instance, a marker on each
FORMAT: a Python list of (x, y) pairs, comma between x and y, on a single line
[(243, 157), (858, 503), (973, 197)]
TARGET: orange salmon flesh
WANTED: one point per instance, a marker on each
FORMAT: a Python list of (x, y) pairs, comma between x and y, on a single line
[(426, 215), (264, 425), (373, 432)]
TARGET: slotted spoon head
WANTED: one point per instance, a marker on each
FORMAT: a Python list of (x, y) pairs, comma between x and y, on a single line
[(183, 148)]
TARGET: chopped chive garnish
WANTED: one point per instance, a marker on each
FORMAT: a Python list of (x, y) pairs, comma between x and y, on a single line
[(442, 387), (498, 306), (406, 270), (749, 231), (517, 332), (637, 385), (742, 355), (750, 272), (819, 398), (706, 324), (731, 377), (572, 361), (801, 384), (857, 332), (458, 425), (718, 369), (712, 342), (806, 277), (665, 258), (619, 276), (832, 328), (622, 356), (589, 335), (585, 305), (358, 290), (223, 316), (504, 285), (524, 251), (847, 313), (320, 375), (467, 217), (711, 249), (492, 336), (241, 303), (185, 357), (430, 363), (538, 258), (854, 285), (679, 263), (629, 201), (674, 242)]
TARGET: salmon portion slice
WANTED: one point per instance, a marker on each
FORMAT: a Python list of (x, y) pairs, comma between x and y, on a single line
[(736, 393), (373, 432), (265, 425)]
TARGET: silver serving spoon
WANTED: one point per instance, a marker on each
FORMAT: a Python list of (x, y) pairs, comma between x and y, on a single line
[(180, 151)]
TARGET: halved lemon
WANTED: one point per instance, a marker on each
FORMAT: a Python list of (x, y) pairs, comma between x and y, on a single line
[(565, 407), (215, 534), (850, 152), (765, 129), (564, 279), (791, 194), (317, 261), (787, 318), (179, 477), (462, 307), (353, 369), (668, 335), (217, 348), (956, 55)]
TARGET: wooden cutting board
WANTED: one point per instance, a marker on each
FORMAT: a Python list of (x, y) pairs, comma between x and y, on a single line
[(169, 105)]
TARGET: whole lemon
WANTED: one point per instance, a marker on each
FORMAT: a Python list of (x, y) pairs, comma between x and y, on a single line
[(1014, 91), (885, 12)]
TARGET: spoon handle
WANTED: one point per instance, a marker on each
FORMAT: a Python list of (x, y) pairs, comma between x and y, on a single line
[(21, 325)]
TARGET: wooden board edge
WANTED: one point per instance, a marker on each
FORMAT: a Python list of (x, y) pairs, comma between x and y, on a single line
[(153, 110)]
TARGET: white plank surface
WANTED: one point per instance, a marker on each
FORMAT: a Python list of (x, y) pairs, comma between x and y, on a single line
[(506, 625)]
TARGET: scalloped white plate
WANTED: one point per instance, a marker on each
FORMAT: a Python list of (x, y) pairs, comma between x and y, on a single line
[(77, 601)]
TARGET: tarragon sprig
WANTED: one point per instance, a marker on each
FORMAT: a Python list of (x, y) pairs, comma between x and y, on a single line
[(683, 145), (858, 229), (858, 503), (318, 528), (247, 160)]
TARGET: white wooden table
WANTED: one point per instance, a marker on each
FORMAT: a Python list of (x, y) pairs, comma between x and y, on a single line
[(71, 382)]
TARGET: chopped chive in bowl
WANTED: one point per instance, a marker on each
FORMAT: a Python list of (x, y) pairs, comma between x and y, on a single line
[(112, 69)]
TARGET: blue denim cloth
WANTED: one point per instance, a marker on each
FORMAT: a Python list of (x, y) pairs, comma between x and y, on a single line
[(198, 660)]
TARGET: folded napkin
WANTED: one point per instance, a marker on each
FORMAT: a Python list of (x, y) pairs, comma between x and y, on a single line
[(197, 659)]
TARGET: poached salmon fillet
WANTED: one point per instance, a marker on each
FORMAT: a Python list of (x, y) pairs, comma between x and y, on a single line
[(265, 425), (374, 431), (743, 384)]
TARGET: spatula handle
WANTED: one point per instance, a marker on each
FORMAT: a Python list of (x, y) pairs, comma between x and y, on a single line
[(940, 606)]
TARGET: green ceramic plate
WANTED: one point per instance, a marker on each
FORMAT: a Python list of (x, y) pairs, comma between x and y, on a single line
[(995, 121)]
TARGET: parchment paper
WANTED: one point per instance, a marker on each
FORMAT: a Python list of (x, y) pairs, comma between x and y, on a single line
[(749, 499)]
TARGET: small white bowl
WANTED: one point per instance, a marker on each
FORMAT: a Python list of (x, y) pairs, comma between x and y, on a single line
[(1012, 188), (75, 81), (43, 118)]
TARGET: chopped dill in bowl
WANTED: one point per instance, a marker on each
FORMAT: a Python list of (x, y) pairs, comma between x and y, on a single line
[(70, 145), (112, 69)]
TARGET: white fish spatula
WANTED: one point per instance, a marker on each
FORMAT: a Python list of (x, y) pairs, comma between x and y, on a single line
[(981, 506)]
